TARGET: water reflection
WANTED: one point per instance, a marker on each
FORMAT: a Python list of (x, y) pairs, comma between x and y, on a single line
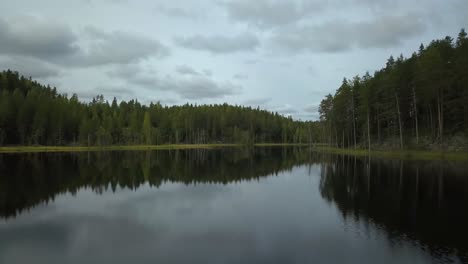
[(30, 179), (267, 205), (426, 201)]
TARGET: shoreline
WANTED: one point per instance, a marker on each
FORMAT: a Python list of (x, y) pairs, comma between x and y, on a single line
[(407, 154), (391, 154), (36, 149)]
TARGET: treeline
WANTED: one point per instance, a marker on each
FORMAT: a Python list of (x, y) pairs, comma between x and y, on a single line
[(33, 114), (415, 101)]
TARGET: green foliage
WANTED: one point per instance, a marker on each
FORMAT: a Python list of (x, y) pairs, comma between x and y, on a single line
[(424, 96), (33, 114)]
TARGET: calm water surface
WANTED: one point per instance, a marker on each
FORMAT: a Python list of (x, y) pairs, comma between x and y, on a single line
[(267, 205)]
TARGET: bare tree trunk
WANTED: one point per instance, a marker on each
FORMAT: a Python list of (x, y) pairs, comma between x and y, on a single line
[(368, 131), (378, 129), (349, 138), (354, 122), (336, 137), (399, 121), (440, 113), (431, 122), (415, 115), (342, 142)]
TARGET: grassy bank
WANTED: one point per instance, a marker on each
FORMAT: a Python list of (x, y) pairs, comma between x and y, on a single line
[(281, 144), (26, 149), (30, 149), (398, 154), (394, 154)]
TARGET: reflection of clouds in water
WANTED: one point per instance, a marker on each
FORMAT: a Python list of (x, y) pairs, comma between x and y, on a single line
[(279, 219), (77, 239)]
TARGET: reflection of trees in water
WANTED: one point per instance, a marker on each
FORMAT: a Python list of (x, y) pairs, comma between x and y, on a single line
[(426, 201), (29, 179)]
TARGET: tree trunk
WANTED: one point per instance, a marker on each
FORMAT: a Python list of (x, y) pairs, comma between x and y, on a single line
[(440, 113), (336, 137), (378, 129), (354, 123), (368, 131), (399, 121), (415, 115), (431, 122), (342, 142)]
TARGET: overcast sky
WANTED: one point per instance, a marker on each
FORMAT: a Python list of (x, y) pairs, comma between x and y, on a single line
[(280, 55)]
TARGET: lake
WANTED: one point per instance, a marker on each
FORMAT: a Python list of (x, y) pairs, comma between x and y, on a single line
[(262, 205)]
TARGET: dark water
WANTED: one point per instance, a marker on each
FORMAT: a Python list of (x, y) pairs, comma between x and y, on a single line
[(269, 205)]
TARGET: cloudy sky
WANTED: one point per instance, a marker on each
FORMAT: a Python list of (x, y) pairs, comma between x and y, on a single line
[(283, 56)]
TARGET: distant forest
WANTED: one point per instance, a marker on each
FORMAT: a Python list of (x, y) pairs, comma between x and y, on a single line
[(411, 102), (416, 101), (33, 114)]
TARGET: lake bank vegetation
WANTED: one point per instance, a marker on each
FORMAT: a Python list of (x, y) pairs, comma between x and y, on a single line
[(34, 114), (403, 154), (30, 149), (420, 102)]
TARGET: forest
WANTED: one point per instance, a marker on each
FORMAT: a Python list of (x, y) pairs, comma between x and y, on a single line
[(412, 102), (33, 114), (417, 101)]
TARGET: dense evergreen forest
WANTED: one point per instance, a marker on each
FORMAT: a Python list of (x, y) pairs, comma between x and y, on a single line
[(33, 114), (416, 101)]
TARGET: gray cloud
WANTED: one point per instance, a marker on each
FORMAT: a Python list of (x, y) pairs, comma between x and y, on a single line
[(117, 47), (270, 13), (208, 72), (240, 76), (186, 86), (202, 87), (311, 70), (186, 70), (338, 36), (461, 16), (313, 108), (176, 12), (29, 36), (286, 110), (307, 116), (29, 67), (251, 62), (127, 71), (59, 44), (115, 90), (257, 101), (121, 92), (218, 44)]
